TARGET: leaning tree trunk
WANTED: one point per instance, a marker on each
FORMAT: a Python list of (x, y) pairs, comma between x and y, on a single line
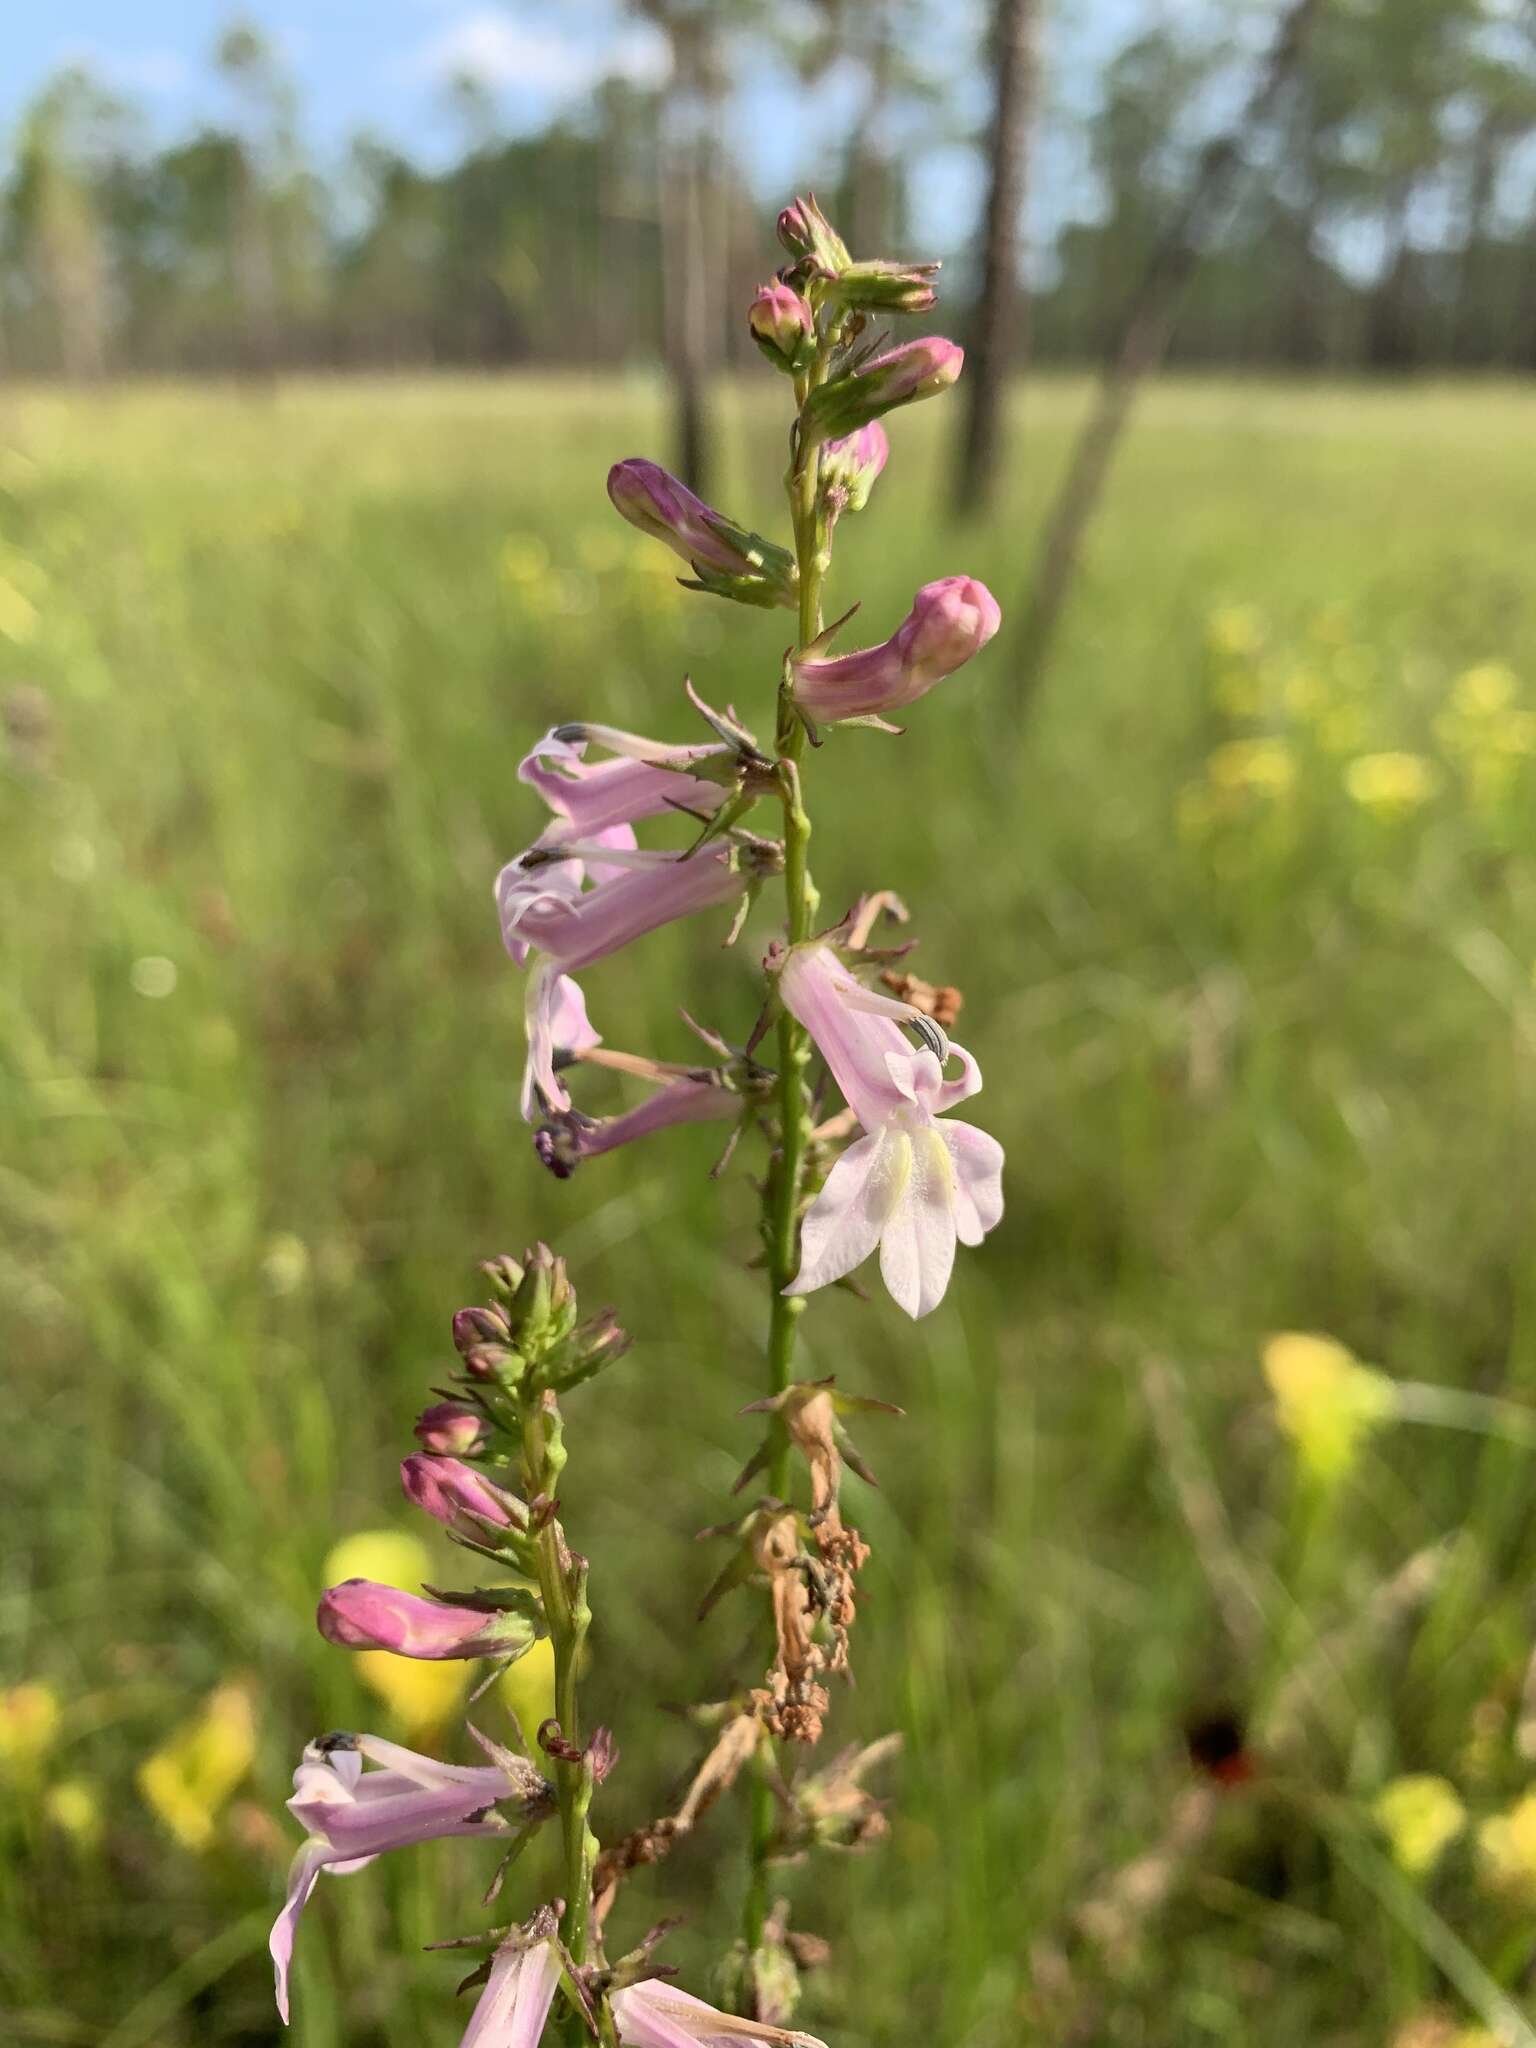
[(1145, 329), (999, 332)]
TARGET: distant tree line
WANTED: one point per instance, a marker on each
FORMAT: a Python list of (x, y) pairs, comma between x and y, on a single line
[(1388, 221)]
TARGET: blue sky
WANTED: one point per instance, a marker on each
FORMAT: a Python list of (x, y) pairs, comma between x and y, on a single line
[(384, 65)]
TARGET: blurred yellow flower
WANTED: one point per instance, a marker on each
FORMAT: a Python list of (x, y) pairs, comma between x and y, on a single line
[(29, 1726), (18, 614), (1485, 690), (1513, 732), (529, 1687), (1267, 766), (1506, 1847), (190, 1779), (601, 548), (1305, 693), (285, 1264), (524, 560), (1325, 1400), (419, 1694), (391, 1556), (1235, 632), (1391, 784), (1420, 1815), (74, 1807)]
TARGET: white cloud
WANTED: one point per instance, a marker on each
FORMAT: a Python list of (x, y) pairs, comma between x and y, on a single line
[(492, 47)]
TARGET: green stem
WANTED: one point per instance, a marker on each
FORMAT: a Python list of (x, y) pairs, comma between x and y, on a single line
[(563, 1588), (787, 1179)]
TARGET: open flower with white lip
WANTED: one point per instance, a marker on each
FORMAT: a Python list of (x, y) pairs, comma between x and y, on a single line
[(352, 1815), (912, 1185), (644, 779), (657, 2014)]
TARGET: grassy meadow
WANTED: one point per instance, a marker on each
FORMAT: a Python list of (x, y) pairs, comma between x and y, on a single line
[(1244, 911)]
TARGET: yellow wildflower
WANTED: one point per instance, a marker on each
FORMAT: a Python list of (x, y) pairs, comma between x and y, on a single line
[(1484, 691), (1305, 693), (524, 560), (391, 1556), (1506, 1847), (1391, 784), (190, 1779), (1265, 765), (420, 1694), (528, 1687), (1420, 1815), (18, 614), (74, 1807), (29, 1727), (1325, 1400), (1235, 632)]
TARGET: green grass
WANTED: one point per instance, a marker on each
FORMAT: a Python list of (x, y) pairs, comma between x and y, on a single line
[(1261, 1061)]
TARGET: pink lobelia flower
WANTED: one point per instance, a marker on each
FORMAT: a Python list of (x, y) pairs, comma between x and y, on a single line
[(726, 558), (645, 779), (352, 1815), (573, 928), (912, 1184), (564, 1141), (362, 1615), (450, 1427), (949, 622), (456, 1494), (914, 370), (656, 2014), (515, 2003)]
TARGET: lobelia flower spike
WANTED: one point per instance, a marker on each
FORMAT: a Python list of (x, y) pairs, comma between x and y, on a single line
[(658, 2014), (728, 560), (912, 1185), (352, 1815), (362, 1615), (950, 621)]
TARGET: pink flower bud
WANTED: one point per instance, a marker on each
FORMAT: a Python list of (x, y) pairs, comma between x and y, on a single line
[(450, 1429), (783, 326), (805, 231), (886, 287), (849, 467), (949, 622), (359, 1615), (448, 1492), (918, 369), (727, 559)]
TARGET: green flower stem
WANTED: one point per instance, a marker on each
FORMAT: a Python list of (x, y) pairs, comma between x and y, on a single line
[(563, 1588), (787, 1179)]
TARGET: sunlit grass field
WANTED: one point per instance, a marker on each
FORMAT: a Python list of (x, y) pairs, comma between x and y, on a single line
[(1244, 910)]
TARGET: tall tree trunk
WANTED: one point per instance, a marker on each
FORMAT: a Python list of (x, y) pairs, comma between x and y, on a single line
[(999, 332), (1473, 339), (689, 98), (1145, 328), (1390, 342)]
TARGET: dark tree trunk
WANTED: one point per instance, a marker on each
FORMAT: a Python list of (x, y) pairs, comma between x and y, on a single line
[(1145, 329), (999, 332)]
